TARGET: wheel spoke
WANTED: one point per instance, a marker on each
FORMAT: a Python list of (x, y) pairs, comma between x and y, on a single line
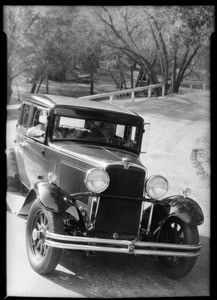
[(38, 244), (42, 219), (38, 226), (45, 222), (41, 248), (44, 249), (180, 231)]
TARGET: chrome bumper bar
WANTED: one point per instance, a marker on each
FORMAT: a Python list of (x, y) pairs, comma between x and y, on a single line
[(120, 246)]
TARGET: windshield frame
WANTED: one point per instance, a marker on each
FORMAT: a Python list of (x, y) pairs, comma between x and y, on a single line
[(125, 120)]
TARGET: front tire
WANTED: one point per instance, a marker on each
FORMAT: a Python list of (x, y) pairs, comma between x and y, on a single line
[(42, 258), (178, 232)]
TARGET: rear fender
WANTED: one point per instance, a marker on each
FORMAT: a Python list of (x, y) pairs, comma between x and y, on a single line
[(186, 209)]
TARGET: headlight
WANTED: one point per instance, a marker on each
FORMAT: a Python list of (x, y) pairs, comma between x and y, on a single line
[(97, 180), (156, 186), (52, 177)]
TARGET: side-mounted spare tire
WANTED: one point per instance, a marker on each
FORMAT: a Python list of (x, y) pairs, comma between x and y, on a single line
[(42, 258)]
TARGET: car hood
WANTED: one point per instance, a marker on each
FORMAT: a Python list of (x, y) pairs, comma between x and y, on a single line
[(95, 155)]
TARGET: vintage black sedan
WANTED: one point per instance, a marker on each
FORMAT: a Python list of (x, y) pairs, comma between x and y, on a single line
[(88, 190)]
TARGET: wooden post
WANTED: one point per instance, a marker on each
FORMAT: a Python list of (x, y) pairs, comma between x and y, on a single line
[(149, 92), (163, 90), (111, 99), (133, 96)]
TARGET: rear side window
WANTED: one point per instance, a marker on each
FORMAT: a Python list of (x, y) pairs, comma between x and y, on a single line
[(38, 124), (26, 110), (39, 116)]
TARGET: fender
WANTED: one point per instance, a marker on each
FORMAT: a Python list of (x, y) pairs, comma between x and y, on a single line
[(51, 196), (186, 209)]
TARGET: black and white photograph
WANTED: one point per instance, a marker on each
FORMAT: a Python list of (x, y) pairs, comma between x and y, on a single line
[(108, 121)]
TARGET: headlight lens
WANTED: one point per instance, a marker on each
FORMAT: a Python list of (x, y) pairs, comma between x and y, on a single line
[(97, 180), (157, 186), (52, 177)]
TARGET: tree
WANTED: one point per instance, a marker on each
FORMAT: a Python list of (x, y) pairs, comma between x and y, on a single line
[(54, 55), (88, 49), (17, 23), (125, 31), (179, 33), (163, 41), (39, 39)]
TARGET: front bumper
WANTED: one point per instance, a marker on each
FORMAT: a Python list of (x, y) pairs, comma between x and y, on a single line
[(120, 246)]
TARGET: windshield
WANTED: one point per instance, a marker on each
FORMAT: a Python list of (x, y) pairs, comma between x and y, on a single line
[(93, 131)]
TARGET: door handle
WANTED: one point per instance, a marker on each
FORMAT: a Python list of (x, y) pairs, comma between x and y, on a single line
[(43, 152)]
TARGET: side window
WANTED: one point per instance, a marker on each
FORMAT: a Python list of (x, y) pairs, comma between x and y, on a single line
[(39, 116), (133, 133), (39, 124), (26, 109), (120, 130)]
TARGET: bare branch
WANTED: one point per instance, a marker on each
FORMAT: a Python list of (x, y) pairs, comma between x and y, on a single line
[(187, 63)]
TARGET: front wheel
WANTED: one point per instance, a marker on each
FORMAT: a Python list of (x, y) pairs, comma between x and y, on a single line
[(178, 232), (43, 259)]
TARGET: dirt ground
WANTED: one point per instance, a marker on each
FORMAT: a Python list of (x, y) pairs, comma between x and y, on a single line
[(179, 143), (179, 149)]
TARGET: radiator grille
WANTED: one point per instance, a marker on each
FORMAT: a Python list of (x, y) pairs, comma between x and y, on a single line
[(125, 182), (118, 215)]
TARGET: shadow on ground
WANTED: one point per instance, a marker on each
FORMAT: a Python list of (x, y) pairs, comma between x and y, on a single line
[(120, 275)]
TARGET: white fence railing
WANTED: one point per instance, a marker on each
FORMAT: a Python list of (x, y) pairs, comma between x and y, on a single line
[(192, 83), (111, 95)]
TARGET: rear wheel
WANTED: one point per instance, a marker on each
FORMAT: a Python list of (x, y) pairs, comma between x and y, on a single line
[(178, 232), (43, 259)]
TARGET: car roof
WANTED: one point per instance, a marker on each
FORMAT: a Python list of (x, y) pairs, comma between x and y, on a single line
[(57, 100)]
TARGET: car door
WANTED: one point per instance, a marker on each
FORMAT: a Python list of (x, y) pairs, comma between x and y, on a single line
[(34, 159), (20, 140)]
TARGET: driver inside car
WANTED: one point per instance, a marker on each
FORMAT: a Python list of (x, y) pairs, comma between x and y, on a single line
[(58, 132), (40, 123), (108, 132)]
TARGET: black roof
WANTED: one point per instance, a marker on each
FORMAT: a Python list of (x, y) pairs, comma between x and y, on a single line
[(57, 100)]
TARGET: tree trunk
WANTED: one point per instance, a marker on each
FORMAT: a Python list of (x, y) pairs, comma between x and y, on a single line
[(91, 83), (131, 77), (123, 82), (47, 83), (9, 83), (34, 85), (186, 63), (39, 85), (176, 86), (114, 79), (173, 79), (9, 89)]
